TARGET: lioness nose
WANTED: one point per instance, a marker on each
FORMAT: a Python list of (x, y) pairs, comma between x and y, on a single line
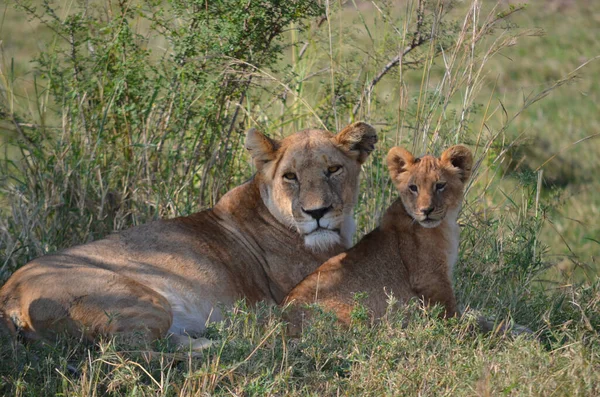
[(427, 210), (317, 213)]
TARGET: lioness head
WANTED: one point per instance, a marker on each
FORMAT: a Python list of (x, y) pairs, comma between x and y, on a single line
[(430, 187), (309, 181)]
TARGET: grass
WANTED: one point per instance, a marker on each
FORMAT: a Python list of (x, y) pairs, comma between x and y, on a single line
[(518, 86), (254, 357)]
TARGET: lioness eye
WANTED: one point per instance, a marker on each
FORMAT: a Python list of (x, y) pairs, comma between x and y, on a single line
[(440, 186), (333, 169), (413, 188), (290, 176)]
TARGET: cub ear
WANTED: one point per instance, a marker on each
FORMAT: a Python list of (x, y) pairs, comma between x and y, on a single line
[(357, 140), (398, 160), (261, 148), (459, 157)]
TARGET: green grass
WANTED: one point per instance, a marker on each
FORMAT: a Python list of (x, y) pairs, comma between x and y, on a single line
[(529, 243), (254, 357)]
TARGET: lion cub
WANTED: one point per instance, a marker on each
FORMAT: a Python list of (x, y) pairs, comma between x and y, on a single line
[(411, 253)]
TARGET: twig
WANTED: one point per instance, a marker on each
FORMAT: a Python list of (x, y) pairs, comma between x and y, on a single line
[(22, 133), (417, 40), (305, 46), (394, 62)]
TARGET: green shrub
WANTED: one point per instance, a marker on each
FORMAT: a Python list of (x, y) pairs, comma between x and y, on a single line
[(144, 132)]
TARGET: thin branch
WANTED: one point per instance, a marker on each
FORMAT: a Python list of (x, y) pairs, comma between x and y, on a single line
[(18, 125), (391, 64), (417, 40), (305, 46)]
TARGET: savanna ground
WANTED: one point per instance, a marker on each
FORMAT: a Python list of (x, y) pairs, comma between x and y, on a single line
[(115, 113)]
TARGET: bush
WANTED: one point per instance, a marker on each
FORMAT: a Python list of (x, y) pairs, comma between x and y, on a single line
[(144, 133)]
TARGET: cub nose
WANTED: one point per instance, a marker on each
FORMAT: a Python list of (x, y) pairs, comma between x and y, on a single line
[(317, 213), (426, 211)]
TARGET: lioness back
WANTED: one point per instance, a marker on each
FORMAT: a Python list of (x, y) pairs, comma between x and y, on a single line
[(412, 252), (173, 276)]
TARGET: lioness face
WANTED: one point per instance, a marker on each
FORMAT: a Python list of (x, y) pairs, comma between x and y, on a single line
[(310, 180), (430, 187)]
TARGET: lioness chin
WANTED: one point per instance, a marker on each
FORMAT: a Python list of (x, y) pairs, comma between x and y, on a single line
[(411, 253), (171, 277)]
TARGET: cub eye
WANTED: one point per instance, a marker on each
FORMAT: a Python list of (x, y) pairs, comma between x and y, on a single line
[(440, 186), (333, 169), (290, 176), (413, 188)]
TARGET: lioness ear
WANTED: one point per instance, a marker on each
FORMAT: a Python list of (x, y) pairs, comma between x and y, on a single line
[(357, 140), (261, 148), (398, 159), (459, 157)]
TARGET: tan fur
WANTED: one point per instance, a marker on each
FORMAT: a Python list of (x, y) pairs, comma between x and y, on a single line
[(173, 276), (410, 255)]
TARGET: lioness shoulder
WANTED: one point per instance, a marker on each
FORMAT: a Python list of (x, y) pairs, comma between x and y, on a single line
[(411, 253)]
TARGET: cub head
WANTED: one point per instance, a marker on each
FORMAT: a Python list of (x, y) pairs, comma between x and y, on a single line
[(430, 187), (309, 181)]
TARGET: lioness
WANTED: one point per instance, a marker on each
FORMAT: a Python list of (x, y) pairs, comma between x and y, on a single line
[(170, 277), (412, 252)]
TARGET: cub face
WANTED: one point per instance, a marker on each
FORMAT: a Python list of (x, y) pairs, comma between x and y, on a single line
[(309, 181), (429, 187)]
